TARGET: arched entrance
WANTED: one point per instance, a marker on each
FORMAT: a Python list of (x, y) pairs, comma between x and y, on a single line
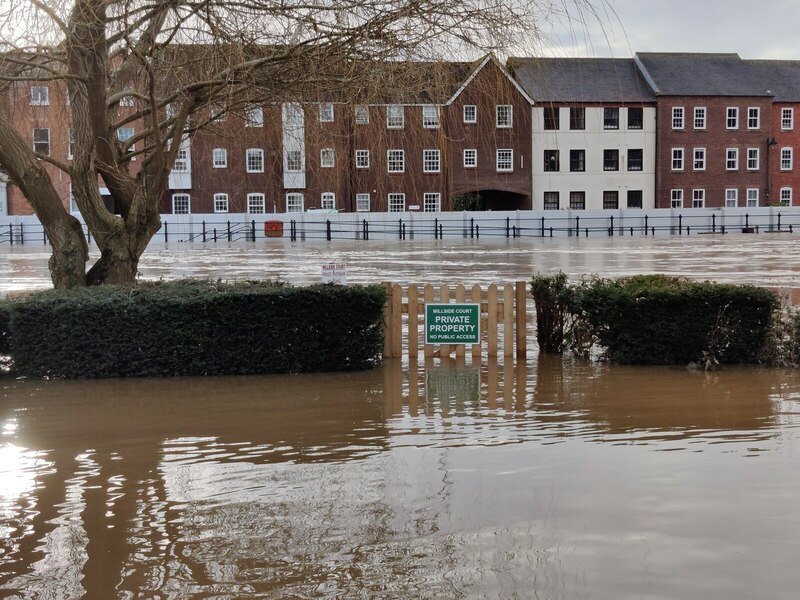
[(502, 200)]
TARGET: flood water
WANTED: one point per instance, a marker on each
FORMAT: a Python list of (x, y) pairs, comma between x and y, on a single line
[(545, 479)]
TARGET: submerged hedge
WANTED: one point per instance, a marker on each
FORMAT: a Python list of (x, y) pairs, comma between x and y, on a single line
[(193, 327), (654, 319)]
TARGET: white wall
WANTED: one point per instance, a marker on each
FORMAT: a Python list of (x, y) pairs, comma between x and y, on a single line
[(3, 197), (594, 139)]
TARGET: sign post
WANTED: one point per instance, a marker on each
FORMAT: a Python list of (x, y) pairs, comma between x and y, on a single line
[(452, 324)]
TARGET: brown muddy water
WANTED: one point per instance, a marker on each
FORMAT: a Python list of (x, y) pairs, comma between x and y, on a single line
[(547, 479)]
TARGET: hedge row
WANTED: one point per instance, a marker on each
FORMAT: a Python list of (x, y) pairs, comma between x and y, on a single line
[(193, 327), (666, 320)]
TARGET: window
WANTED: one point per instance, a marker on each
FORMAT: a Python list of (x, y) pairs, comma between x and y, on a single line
[(505, 160), (611, 118), (753, 117), (699, 163), (752, 197), (470, 158), (181, 204), (677, 159), (634, 198), (610, 160), (676, 198), (786, 196), (635, 118), (397, 202), (732, 120), (328, 201), (220, 203), (127, 100), (431, 160), (732, 159), (731, 198), (551, 161), (430, 116), (551, 118), (752, 159), (470, 113), (635, 159), (73, 206), (362, 202), (362, 159), (254, 116), (577, 200), (218, 112), (294, 161), (787, 121), (123, 135), (219, 158), (577, 118), (327, 158), (326, 112), (677, 117), (294, 202), (577, 161), (698, 198), (181, 164), (432, 202), (254, 160), (504, 116), (610, 200), (256, 204), (699, 117), (40, 95), (70, 144), (551, 201), (786, 159), (396, 160), (41, 141), (395, 116), (362, 114)]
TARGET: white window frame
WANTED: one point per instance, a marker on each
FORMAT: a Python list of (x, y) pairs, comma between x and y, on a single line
[(432, 202), (700, 113), (256, 203), (752, 197), (45, 151), (40, 95), (470, 158), (678, 117), (362, 202), (395, 161), (731, 197), (124, 134), (785, 197), (678, 157), (676, 198), (787, 121), (431, 161), (699, 159), (753, 160), (430, 116), (127, 101), (326, 112), (327, 158), (470, 114), (293, 156), (504, 160), (250, 156), (504, 116), (188, 210), (362, 114), (221, 204), (731, 159), (254, 116), (787, 159), (395, 116), (362, 159), (396, 202), (699, 198), (294, 202), (219, 158), (70, 144), (182, 158), (753, 117), (327, 200), (732, 114)]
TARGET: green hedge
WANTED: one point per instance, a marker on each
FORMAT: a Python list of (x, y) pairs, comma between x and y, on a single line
[(5, 334), (653, 319), (192, 327)]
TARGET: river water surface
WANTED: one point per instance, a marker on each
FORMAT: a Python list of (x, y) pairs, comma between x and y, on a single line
[(544, 479)]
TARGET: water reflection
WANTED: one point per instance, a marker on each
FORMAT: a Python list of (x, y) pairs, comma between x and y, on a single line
[(444, 479)]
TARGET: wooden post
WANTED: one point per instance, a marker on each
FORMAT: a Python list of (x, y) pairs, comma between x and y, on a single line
[(387, 321), (477, 297), (428, 296), (508, 320), (397, 321), (461, 295), (491, 320), (413, 322), (444, 298), (522, 319)]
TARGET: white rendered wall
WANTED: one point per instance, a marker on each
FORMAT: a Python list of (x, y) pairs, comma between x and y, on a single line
[(3, 197), (594, 139)]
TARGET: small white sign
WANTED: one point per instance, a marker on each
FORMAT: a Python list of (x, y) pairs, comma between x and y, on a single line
[(333, 273)]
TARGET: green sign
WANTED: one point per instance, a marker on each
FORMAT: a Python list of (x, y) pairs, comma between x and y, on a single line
[(452, 324)]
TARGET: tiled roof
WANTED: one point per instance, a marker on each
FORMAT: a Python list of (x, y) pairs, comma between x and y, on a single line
[(780, 77), (580, 79)]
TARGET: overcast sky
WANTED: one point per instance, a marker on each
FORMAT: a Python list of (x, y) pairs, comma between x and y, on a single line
[(752, 28)]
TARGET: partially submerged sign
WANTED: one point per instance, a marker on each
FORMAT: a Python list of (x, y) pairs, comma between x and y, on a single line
[(452, 324), (334, 273)]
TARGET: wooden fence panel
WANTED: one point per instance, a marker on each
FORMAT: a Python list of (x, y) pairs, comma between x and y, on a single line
[(429, 348), (491, 320), (508, 320), (413, 321)]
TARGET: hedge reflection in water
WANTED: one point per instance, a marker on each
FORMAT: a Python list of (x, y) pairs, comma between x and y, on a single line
[(384, 483)]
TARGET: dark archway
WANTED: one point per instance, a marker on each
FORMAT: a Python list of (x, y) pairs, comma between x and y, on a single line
[(504, 200)]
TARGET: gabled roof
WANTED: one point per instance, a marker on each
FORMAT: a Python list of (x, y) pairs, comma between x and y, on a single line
[(779, 77), (580, 79), (699, 74), (477, 69)]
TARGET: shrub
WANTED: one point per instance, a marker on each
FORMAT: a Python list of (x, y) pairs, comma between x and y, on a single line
[(5, 333), (654, 319), (468, 201), (192, 327), (553, 298)]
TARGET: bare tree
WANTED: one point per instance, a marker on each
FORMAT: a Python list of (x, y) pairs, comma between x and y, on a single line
[(171, 67)]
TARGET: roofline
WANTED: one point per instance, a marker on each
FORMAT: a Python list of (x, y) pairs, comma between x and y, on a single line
[(646, 74), (484, 62)]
